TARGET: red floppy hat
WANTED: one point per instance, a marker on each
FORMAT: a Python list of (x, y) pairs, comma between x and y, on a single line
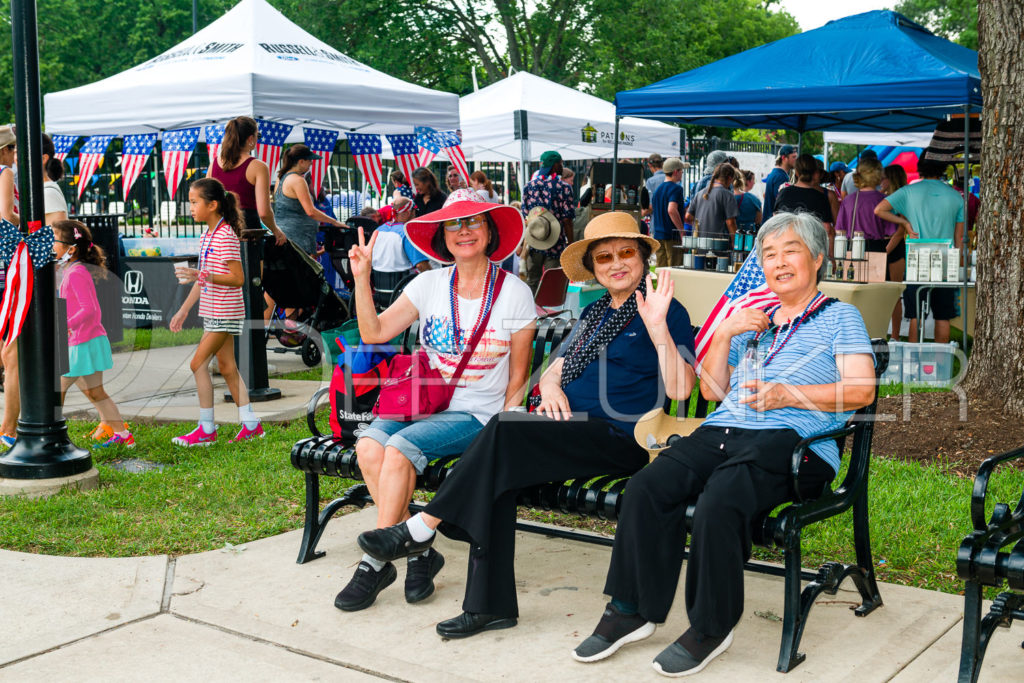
[(460, 204)]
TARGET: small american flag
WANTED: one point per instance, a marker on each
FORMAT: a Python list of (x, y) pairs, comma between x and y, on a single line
[(137, 149), (452, 144), (214, 138), (366, 151), (62, 145), (407, 153), (747, 290), (90, 158), (322, 142), (272, 137), (429, 144), (177, 150)]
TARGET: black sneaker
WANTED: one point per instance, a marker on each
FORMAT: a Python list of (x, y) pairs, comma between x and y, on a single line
[(690, 654), (419, 575), (613, 631), (362, 590), (392, 543)]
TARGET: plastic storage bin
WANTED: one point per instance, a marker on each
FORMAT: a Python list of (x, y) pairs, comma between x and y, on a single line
[(920, 364)]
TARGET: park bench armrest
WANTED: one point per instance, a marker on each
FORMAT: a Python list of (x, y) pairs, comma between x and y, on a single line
[(804, 445), (311, 408), (980, 491)]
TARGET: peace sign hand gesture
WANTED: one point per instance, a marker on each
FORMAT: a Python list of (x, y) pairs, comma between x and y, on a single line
[(360, 256)]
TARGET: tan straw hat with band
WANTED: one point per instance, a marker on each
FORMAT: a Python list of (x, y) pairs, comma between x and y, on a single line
[(656, 428), (611, 224), (542, 229)]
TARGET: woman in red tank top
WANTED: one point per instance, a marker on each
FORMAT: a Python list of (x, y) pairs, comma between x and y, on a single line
[(245, 175)]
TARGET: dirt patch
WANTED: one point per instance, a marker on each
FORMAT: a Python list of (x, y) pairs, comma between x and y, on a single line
[(942, 428)]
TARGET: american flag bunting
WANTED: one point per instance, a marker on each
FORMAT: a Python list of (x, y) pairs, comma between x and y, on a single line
[(366, 151), (137, 149), (407, 153), (62, 145), (322, 142), (272, 137), (177, 150), (90, 158), (214, 139), (452, 144), (747, 290), (427, 141)]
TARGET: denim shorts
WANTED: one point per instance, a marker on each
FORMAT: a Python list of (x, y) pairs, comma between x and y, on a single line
[(447, 433)]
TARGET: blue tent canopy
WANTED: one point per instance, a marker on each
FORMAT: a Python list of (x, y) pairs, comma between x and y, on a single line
[(876, 71)]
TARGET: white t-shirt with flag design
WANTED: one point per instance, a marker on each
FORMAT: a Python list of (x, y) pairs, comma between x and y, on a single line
[(481, 389)]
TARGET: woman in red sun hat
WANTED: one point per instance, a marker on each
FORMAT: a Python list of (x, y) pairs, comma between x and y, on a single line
[(450, 304)]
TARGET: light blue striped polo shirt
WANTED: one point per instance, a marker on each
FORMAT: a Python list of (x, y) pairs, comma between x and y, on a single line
[(807, 358)]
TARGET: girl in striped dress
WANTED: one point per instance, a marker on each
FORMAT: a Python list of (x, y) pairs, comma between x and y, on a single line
[(218, 289)]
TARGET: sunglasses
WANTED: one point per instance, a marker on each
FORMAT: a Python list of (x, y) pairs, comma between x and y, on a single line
[(471, 223), (606, 257), (70, 244)]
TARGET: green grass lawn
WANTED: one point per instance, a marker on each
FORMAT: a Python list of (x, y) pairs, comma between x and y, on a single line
[(158, 338)]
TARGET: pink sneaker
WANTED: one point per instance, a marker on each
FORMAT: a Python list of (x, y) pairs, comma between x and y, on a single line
[(244, 434), (197, 437)]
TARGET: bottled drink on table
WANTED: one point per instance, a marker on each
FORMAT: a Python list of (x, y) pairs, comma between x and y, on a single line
[(750, 368), (839, 248), (857, 245)]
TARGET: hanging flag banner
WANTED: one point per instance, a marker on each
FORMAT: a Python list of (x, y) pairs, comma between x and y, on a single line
[(20, 255), (137, 149), (427, 140), (452, 145), (90, 158), (62, 145), (406, 152), (322, 142), (214, 139), (177, 150), (271, 139), (366, 151)]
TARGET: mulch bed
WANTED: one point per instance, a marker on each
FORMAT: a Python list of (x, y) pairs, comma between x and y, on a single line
[(937, 433)]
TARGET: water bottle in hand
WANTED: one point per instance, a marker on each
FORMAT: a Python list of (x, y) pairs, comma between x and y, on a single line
[(750, 369)]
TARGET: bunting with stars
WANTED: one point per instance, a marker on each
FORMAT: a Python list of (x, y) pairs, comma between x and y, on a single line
[(137, 149), (271, 140), (451, 142), (322, 142), (62, 145), (366, 151), (90, 158), (214, 139), (407, 154), (177, 150), (427, 140)]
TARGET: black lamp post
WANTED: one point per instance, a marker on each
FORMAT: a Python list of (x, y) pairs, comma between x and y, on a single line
[(43, 449)]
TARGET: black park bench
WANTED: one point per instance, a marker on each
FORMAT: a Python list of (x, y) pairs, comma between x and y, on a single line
[(324, 455), (991, 555)]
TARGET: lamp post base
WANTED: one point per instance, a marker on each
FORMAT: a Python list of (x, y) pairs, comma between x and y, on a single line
[(257, 395), (43, 453), (43, 488)]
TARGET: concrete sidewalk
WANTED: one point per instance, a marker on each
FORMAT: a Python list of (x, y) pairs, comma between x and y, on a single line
[(250, 613), (156, 385)]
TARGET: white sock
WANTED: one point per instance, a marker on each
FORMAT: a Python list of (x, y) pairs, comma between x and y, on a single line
[(206, 420), (373, 562), (247, 417), (418, 529)]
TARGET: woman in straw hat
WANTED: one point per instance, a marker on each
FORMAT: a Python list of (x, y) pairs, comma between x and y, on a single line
[(610, 371), (817, 369), (475, 236)]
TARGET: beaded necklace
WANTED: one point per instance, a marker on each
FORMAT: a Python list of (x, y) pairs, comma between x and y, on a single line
[(773, 351), (488, 299)]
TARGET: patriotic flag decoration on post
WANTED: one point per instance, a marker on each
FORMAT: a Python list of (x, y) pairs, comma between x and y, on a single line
[(452, 144), (137, 149), (214, 138), (272, 137), (62, 145), (366, 151), (427, 140), (91, 158), (747, 290), (322, 142), (177, 150), (407, 153)]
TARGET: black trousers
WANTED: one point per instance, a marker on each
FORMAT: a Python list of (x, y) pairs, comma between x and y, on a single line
[(478, 499), (735, 475)]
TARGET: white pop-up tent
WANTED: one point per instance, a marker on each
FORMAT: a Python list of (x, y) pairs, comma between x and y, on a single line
[(522, 116), (251, 61)]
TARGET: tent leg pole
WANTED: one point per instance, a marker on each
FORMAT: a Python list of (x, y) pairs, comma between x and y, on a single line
[(615, 163), (965, 249), (800, 143)]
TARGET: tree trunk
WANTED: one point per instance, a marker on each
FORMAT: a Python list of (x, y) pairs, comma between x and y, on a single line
[(997, 363)]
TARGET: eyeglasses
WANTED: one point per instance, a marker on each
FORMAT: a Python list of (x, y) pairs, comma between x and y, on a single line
[(70, 244), (606, 257), (471, 223)]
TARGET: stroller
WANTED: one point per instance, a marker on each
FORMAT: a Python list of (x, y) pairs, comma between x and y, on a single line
[(296, 281), (337, 241)]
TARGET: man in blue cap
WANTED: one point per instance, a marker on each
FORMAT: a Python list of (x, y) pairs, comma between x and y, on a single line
[(548, 191), (779, 176)]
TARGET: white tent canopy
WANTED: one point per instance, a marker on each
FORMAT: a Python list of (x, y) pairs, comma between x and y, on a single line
[(524, 115), (251, 61)]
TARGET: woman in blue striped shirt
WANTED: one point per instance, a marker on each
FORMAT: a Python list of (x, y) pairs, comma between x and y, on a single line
[(817, 369)]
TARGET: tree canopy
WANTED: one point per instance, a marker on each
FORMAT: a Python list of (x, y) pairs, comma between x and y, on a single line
[(956, 20)]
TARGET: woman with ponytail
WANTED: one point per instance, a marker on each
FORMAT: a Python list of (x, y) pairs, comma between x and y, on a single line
[(293, 205), (245, 175), (218, 289), (88, 347), (715, 208)]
